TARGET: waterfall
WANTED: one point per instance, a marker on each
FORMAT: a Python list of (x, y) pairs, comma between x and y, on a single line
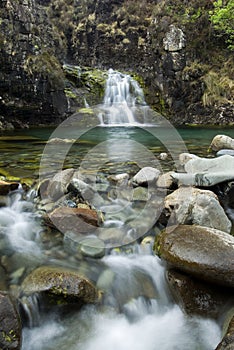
[(123, 96)]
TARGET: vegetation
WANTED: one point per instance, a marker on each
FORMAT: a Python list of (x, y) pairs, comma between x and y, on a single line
[(222, 17)]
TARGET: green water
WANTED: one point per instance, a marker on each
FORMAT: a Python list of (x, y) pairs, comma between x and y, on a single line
[(21, 150)]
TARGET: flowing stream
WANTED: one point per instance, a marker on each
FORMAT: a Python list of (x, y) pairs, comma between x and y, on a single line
[(138, 311)]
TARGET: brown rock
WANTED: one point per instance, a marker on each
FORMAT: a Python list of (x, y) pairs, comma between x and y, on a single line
[(204, 252), (77, 220), (6, 187)]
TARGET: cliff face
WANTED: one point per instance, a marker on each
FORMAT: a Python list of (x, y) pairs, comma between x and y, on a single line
[(186, 71)]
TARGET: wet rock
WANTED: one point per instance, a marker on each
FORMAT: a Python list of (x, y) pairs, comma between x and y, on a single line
[(3, 279), (78, 220), (227, 342), (10, 324), (112, 235), (140, 194), (205, 253), (57, 140), (6, 187), (58, 185), (220, 142), (61, 283), (188, 205), (119, 179), (163, 156), (197, 297), (92, 247), (146, 175)]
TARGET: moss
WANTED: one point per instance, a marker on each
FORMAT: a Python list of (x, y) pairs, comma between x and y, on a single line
[(9, 337)]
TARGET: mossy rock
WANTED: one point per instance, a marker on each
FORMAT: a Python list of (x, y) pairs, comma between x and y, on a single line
[(60, 284)]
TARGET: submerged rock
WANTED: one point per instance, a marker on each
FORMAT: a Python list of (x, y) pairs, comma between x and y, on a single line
[(146, 175), (64, 284), (10, 324), (206, 253), (220, 142), (92, 247), (189, 205), (197, 297)]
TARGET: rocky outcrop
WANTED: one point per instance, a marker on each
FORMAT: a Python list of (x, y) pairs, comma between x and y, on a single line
[(168, 47), (205, 253)]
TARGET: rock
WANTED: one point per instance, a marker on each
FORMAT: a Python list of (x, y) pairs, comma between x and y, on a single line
[(146, 175), (140, 194), (220, 142), (62, 283), (10, 324), (58, 185), (174, 39), (119, 179), (185, 157), (163, 156), (227, 342), (165, 180), (78, 220), (57, 140), (3, 279), (188, 205), (6, 187), (197, 297), (224, 152), (92, 247), (111, 235), (205, 253)]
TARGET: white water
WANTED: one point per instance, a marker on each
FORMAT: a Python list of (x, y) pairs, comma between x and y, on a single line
[(156, 324), (122, 95)]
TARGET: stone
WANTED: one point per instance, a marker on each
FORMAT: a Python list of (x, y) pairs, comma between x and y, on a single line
[(58, 141), (220, 142), (227, 342), (10, 324), (174, 39), (62, 283), (58, 185), (165, 180), (140, 194), (146, 175), (163, 156), (111, 235), (223, 152), (188, 205), (205, 253), (78, 220), (185, 157), (6, 187), (119, 179), (92, 247), (197, 297)]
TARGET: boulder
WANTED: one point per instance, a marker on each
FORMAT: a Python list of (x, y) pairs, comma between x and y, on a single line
[(165, 180), (220, 142), (77, 220), (197, 297), (223, 152), (227, 342), (10, 324), (174, 39), (188, 205), (146, 175), (6, 187), (205, 253), (185, 157), (58, 185), (64, 284)]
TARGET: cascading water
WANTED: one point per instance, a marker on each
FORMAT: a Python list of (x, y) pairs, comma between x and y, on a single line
[(122, 97)]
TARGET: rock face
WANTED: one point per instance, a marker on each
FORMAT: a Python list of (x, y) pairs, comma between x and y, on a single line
[(10, 325), (188, 205), (206, 253), (227, 342), (38, 36), (62, 283)]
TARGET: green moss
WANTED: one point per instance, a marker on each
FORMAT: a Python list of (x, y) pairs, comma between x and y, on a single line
[(9, 337)]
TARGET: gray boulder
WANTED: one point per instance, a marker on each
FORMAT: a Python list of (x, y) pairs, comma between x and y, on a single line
[(146, 175), (188, 205), (205, 253)]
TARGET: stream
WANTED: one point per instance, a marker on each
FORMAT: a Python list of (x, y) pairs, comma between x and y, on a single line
[(138, 311)]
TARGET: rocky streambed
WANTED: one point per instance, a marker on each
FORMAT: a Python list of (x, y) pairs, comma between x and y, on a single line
[(56, 239)]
